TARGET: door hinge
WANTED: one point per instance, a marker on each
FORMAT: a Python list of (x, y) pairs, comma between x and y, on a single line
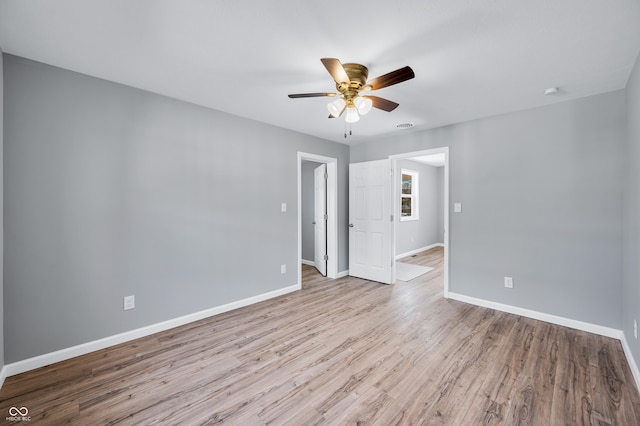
[(326, 176), (326, 257), (326, 216), (391, 218)]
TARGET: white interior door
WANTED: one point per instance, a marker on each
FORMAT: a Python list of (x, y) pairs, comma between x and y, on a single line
[(371, 221), (320, 218)]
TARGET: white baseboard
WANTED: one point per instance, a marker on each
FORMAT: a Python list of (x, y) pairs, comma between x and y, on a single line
[(308, 262), (553, 319), (85, 348), (418, 250), (3, 375), (342, 274), (631, 360)]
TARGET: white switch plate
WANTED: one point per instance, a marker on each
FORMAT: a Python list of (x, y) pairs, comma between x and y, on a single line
[(283, 269), (508, 282), (457, 207), (283, 207), (129, 302)]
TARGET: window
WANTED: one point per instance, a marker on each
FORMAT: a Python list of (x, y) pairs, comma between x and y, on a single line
[(409, 195)]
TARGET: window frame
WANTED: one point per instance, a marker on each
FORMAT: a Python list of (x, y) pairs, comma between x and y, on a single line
[(413, 196)]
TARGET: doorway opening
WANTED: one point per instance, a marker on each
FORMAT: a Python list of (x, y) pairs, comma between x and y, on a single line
[(323, 234), (421, 206)]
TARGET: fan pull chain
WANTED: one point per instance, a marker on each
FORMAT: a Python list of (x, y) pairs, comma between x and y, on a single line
[(345, 130)]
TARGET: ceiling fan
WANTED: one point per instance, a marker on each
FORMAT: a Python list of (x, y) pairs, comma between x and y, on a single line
[(351, 82)]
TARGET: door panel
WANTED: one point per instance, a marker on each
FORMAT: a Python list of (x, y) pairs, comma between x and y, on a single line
[(320, 218), (370, 221)]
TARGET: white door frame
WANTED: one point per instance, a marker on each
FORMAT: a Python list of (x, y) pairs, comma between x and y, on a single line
[(408, 155), (332, 212)]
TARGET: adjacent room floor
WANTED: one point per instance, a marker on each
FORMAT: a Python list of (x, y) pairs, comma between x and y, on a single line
[(343, 351)]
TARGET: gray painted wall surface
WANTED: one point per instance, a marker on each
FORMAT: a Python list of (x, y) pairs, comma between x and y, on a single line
[(1, 213), (308, 203), (113, 191), (541, 194), (631, 259), (416, 234), (441, 205)]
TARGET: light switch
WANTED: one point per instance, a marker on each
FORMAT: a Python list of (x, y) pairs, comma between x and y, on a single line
[(283, 207), (457, 207)]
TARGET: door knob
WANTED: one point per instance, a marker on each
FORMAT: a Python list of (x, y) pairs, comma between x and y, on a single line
[(351, 225)]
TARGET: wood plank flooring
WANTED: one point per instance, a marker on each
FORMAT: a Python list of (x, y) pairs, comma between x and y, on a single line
[(342, 352)]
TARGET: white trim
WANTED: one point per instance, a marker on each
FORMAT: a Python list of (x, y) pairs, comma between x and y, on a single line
[(3, 375), (631, 360), (418, 250), (85, 348), (407, 155), (332, 212), (308, 262), (342, 274), (553, 319)]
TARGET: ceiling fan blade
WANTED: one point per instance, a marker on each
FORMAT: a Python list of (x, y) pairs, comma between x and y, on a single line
[(394, 77), (382, 103), (335, 68), (311, 95)]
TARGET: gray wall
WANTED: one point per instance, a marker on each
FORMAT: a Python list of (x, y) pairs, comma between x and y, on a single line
[(1, 213), (415, 234), (631, 259), (112, 191), (307, 210), (541, 194)]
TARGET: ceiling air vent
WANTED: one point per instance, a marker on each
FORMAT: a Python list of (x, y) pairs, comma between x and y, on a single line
[(404, 126)]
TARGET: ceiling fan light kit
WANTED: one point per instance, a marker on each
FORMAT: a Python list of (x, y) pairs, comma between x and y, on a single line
[(351, 81), (363, 104), (336, 107), (352, 115)]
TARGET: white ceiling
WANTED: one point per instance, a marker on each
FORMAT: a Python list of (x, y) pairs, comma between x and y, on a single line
[(471, 58)]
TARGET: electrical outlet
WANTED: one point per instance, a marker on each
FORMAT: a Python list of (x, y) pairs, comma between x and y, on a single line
[(283, 269), (635, 328), (129, 302), (508, 282)]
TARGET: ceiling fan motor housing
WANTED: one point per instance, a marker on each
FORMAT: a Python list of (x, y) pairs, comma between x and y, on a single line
[(358, 75)]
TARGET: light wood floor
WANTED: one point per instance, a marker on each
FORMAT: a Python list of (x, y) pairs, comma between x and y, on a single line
[(340, 352)]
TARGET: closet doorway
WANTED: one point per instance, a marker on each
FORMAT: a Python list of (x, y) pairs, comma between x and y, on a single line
[(317, 214)]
